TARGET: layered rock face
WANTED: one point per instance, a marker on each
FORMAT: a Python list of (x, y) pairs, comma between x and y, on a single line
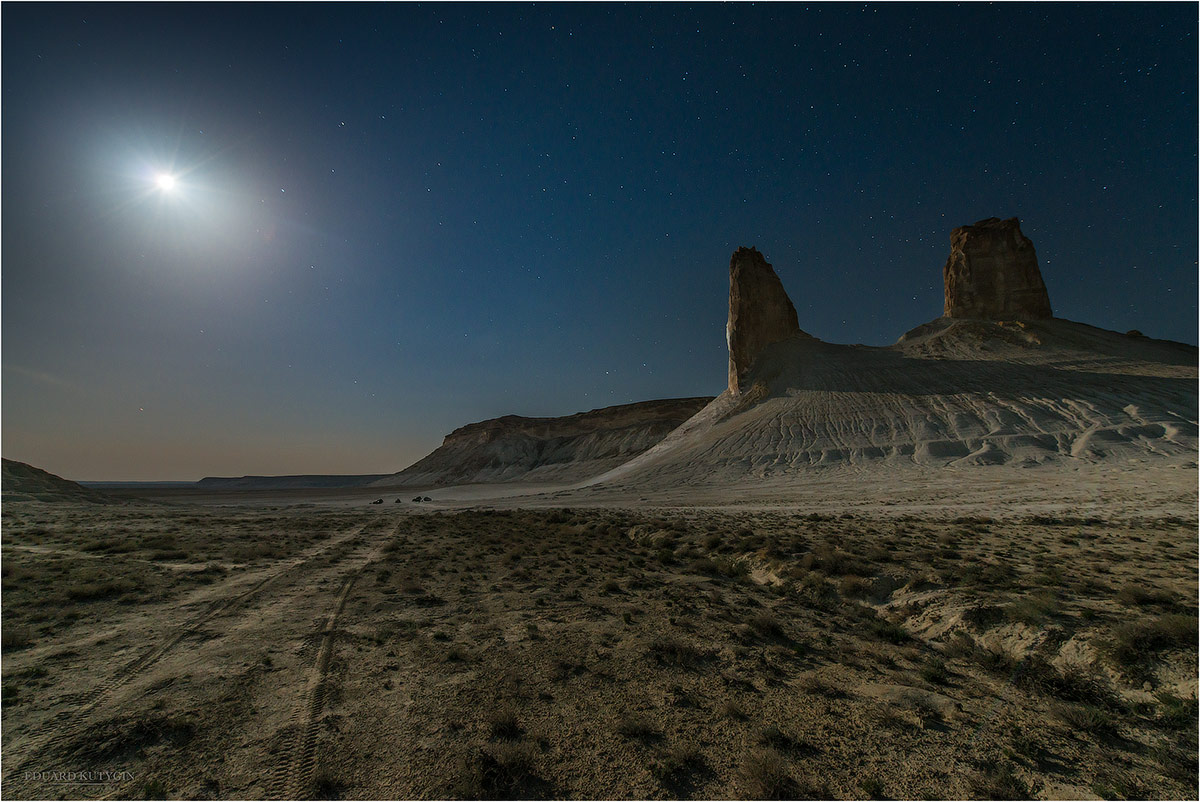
[(563, 449), (760, 312), (26, 483), (992, 273)]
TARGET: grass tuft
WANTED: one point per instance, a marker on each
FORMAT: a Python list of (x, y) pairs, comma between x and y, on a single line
[(671, 652), (1134, 645), (997, 781)]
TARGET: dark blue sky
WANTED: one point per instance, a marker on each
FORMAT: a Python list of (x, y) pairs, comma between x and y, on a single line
[(392, 220)]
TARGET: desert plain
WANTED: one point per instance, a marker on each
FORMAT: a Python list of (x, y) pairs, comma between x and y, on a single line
[(310, 644)]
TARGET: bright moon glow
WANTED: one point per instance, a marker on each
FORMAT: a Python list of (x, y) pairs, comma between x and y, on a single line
[(165, 182)]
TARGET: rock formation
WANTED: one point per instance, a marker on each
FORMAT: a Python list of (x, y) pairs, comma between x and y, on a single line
[(760, 312), (996, 381), (992, 273), (553, 450), (23, 482)]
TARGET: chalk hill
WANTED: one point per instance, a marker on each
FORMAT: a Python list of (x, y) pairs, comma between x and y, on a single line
[(963, 390), (564, 449), (23, 482)]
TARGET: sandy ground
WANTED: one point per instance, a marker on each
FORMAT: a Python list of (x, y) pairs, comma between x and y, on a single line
[(589, 643)]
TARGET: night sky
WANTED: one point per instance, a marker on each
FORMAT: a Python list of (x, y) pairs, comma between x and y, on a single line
[(392, 220)]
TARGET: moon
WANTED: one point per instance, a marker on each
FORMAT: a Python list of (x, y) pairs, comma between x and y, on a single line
[(165, 182)]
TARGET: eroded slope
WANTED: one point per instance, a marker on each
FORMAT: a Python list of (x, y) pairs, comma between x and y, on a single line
[(950, 393), (563, 449)]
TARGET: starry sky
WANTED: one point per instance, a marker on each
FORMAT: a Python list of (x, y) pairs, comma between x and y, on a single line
[(390, 220)]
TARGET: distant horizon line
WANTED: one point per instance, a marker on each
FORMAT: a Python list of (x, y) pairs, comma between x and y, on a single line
[(187, 482)]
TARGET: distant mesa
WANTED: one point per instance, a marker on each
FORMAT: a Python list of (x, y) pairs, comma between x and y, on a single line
[(552, 450), (294, 482), (23, 482), (760, 312), (992, 273)]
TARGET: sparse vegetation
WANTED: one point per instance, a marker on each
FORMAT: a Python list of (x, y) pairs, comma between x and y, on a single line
[(935, 671), (999, 781), (88, 587), (15, 636), (1141, 596), (1034, 609), (1084, 718), (766, 625), (637, 726), (505, 723), (673, 767), (502, 771), (1133, 645), (530, 654), (732, 710), (671, 652), (888, 631), (764, 775), (1177, 714), (872, 788)]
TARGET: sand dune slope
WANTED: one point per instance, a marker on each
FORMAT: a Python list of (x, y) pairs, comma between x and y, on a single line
[(959, 393)]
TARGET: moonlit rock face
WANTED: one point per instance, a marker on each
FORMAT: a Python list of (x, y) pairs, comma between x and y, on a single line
[(569, 448), (992, 274), (760, 312)]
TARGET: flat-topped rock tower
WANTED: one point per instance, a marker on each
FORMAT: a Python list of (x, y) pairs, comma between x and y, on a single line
[(992, 274)]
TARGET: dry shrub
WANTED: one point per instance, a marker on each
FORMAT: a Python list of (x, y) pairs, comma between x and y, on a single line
[(672, 767), (505, 723), (1133, 645), (764, 775), (13, 636), (766, 625), (997, 781), (504, 771), (854, 587), (637, 727), (671, 652), (1138, 596), (1085, 718)]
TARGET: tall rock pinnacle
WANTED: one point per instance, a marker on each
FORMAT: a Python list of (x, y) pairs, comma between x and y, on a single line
[(992, 273), (760, 312)]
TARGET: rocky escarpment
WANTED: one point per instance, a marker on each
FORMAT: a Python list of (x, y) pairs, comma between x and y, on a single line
[(992, 273), (760, 312), (23, 482), (563, 449)]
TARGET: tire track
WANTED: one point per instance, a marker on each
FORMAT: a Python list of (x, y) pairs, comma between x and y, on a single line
[(298, 759), (68, 723)]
